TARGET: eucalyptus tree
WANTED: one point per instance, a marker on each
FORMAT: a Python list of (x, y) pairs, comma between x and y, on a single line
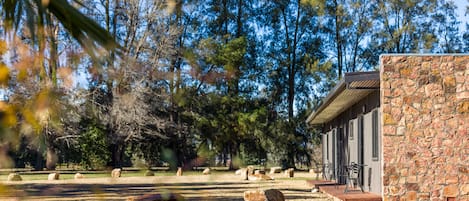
[(129, 94), (403, 26), (447, 28), (292, 44)]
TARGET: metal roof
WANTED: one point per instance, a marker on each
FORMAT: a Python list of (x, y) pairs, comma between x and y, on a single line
[(351, 89)]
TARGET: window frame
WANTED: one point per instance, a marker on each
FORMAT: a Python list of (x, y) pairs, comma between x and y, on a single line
[(375, 135)]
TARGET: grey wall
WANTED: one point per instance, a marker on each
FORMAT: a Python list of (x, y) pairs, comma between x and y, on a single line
[(375, 165), (349, 148)]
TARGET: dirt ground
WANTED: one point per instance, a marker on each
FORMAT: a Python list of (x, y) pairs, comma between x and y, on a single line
[(216, 187)]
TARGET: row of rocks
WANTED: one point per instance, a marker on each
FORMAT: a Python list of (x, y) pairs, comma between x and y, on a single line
[(251, 171), (50, 177), (256, 195), (264, 195), (115, 173)]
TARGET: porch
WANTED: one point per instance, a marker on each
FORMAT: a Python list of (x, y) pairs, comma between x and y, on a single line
[(337, 191)]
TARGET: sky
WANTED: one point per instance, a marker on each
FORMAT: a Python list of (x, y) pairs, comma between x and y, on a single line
[(461, 4)]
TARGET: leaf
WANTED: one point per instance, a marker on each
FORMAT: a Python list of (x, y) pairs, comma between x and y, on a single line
[(7, 115), (4, 74), (3, 47)]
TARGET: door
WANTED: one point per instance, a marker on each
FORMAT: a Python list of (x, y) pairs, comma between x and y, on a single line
[(360, 148)]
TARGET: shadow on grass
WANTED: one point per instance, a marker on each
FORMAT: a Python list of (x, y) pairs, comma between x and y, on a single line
[(216, 191), (122, 190)]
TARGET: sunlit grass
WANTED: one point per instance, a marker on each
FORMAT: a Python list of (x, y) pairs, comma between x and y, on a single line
[(29, 176), (294, 178)]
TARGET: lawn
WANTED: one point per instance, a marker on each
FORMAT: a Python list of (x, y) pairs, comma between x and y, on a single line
[(64, 175), (221, 185)]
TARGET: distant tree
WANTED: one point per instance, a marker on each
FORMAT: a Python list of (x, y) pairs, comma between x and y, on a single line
[(403, 27), (447, 30)]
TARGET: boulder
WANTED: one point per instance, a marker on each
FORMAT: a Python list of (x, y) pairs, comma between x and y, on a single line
[(289, 172), (259, 172), (116, 173), (78, 176), (149, 173), (245, 174), (259, 177), (179, 172), (206, 171), (158, 197), (14, 177), (250, 169), (274, 170), (240, 171), (53, 176), (264, 195)]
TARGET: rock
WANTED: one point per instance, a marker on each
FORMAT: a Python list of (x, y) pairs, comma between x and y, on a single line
[(250, 169), (53, 176), (240, 171), (206, 171), (267, 195), (259, 172), (179, 172), (78, 176), (254, 196), (158, 197), (274, 170), (450, 191), (116, 173), (245, 174), (259, 177), (149, 173), (289, 172), (14, 177)]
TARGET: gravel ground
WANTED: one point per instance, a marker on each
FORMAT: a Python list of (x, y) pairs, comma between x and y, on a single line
[(217, 187)]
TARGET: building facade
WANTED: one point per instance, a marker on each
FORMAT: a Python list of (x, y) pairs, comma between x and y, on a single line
[(406, 124)]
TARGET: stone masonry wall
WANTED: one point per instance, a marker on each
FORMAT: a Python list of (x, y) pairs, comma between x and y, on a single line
[(425, 123)]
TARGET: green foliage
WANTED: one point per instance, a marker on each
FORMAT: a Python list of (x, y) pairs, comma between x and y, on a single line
[(93, 147), (230, 79)]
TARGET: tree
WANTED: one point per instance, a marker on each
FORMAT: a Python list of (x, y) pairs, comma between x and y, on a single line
[(403, 26), (448, 28), (40, 31)]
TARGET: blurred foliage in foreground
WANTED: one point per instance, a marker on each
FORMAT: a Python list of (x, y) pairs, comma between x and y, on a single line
[(189, 83)]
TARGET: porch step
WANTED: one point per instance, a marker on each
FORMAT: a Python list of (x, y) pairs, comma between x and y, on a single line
[(337, 192), (318, 183)]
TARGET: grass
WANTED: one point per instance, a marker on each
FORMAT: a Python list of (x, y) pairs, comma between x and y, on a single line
[(28, 176), (294, 178)]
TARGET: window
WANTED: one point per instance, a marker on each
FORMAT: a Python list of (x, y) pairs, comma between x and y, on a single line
[(375, 154), (350, 130)]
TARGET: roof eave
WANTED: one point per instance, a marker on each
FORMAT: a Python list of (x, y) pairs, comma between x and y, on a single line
[(343, 85)]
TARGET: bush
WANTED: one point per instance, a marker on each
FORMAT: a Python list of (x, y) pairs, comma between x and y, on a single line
[(93, 148)]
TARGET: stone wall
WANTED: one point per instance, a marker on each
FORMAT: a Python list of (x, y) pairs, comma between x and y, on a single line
[(425, 123)]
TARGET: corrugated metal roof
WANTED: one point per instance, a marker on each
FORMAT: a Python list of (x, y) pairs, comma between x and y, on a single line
[(351, 89), (367, 84)]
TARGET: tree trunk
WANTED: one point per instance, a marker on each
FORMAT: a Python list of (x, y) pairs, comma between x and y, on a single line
[(51, 158), (39, 164), (116, 155)]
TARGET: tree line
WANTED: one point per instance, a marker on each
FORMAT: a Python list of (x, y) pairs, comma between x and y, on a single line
[(112, 83)]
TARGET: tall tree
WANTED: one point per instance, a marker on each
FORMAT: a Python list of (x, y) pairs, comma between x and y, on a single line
[(293, 43), (447, 29), (403, 26)]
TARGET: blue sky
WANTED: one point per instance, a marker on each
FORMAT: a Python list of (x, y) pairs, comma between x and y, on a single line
[(461, 4)]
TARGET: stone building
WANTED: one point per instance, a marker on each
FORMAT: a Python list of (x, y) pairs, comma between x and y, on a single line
[(408, 124)]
